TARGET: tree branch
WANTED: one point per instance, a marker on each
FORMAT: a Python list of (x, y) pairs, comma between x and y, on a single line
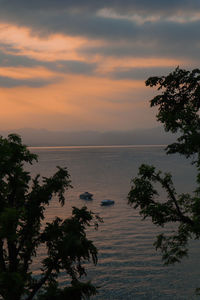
[(2, 261), (183, 218), (38, 285)]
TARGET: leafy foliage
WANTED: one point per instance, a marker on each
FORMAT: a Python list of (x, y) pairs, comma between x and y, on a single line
[(22, 205), (178, 106), (178, 110)]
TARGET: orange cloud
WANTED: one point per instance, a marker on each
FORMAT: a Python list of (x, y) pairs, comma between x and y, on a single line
[(62, 47), (26, 73), (56, 47), (110, 64)]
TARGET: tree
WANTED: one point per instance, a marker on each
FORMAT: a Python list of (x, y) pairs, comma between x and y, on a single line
[(178, 109), (22, 231)]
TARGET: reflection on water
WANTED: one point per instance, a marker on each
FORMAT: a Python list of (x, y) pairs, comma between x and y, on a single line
[(128, 267)]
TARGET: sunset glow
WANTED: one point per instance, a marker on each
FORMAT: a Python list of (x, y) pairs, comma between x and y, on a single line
[(79, 67)]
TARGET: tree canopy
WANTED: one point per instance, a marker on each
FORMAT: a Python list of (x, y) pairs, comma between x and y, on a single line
[(23, 230), (178, 105)]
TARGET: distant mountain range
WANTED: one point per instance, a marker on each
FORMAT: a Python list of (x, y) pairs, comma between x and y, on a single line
[(43, 137)]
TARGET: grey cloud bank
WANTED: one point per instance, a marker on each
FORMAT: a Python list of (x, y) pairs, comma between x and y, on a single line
[(35, 83), (141, 6), (121, 35), (140, 73), (80, 18)]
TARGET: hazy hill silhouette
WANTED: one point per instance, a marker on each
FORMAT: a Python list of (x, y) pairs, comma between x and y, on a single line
[(43, 137)]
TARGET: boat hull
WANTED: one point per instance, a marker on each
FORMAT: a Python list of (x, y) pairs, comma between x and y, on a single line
[(107, 202)]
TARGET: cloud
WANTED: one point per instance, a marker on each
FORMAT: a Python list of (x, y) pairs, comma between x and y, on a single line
[(83, 64), (82, 30), (156, 47), (79, 24), (7, 82), (72, 67), (100, 27), (77, 17), (13, 59), (140, 6), (24, 76), (140, 73)]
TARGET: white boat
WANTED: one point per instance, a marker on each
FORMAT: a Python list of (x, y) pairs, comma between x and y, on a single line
[(107, 202), (86, 196)]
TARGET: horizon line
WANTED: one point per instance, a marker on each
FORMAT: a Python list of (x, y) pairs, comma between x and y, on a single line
[(97, 146)]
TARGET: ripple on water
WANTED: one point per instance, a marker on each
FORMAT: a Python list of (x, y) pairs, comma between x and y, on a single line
[(128, 267)]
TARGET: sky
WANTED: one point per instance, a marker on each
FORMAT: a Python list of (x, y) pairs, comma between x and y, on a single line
[(76, 65)]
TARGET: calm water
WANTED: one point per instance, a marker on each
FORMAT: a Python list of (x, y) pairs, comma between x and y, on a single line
[(128, 267)]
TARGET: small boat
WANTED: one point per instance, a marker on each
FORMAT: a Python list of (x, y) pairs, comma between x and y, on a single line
[(86, 196), (107, 202)]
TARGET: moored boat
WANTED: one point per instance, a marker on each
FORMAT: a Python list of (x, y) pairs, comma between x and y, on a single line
[(107, 202), (86, 196)]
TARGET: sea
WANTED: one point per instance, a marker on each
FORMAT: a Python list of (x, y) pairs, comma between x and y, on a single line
[(128, 265)]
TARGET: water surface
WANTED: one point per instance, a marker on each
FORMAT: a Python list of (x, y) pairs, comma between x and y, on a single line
[(128, 267)]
